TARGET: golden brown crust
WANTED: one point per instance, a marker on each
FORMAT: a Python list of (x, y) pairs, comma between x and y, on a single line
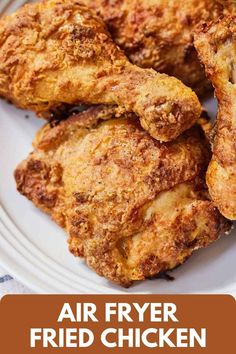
[(182, 220), (58, 52), (133, 207), (216, 44), (158, 34)]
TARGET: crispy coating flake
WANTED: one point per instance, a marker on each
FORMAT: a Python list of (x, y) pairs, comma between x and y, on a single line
[(58, 52), (132, 207), (158, 34), (216, 44)]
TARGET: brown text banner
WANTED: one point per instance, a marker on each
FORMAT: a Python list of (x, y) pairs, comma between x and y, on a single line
[(118, 324)]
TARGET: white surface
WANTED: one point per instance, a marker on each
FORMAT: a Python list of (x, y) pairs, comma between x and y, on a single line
[(34, 249), (9, 6), (11, 286)]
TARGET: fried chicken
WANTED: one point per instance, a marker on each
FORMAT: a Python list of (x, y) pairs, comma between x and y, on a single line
[(216, 44), (158, 34), (58, 52), (132, 207)]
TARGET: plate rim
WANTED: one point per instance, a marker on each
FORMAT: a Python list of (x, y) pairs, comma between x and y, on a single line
[(20, 267)]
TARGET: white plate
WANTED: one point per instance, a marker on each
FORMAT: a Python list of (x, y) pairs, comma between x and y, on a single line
[(34, 250)]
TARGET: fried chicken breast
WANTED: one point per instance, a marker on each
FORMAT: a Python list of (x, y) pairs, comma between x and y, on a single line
[(132, 207), (216, 44), (158, 34), (58, 52)]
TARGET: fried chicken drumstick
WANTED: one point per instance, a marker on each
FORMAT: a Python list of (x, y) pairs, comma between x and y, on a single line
[(58, 52), (216, 44), (158, 34), (133, 207)]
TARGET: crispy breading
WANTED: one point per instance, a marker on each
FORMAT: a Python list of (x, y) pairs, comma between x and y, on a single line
[(158, 34), (132, 207), (216, 44), (58, 52)]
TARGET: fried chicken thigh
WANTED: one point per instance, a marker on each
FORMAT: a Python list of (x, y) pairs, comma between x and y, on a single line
[(58, 52), (216, 44), (132, 207), (158, 34)]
